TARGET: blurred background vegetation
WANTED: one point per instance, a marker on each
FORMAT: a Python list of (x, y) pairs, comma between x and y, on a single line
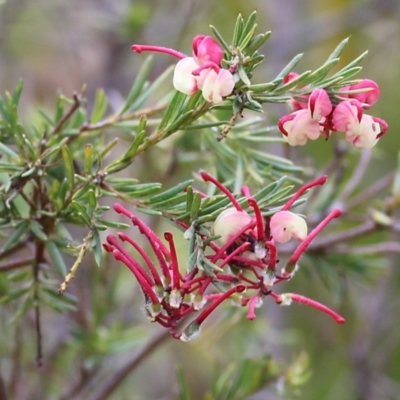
[(60, 45)]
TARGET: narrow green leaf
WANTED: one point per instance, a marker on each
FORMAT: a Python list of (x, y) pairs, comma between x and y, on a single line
[(220, 39), (82, 212), (138, 84), (249, 26), (237, 33), (148, 211), (170, 192), (13, 295), (17, 92), (92, 202), (170, 202), (153, 88), (247, 36), (56, 257), (116, 225), (37, 230), (338, 50), (182, 384), (288, 68), (256, 42), (189, 198), (108, 148), (195, 207), (7, 151), (100, 106), (69, 165), (243, 76), (18, 235), (97, 247), (6, 167), (88, 158), (322, 71), (173, 109)]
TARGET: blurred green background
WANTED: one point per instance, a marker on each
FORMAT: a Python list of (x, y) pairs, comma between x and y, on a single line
[(59, 45)]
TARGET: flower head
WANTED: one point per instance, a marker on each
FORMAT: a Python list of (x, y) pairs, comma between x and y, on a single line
[(202, 71), (298, 127), (248, 244)]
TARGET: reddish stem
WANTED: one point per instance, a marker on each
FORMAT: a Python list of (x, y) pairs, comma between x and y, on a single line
[(232, 240), (136, 268), (312, 235), (259, 219), (176, 276), (309, 302), (252, 305), (139, 48), (243, 247), (125, 238), (207, 65), (320, 181), (208, 178), (112, 240), (204, 314)]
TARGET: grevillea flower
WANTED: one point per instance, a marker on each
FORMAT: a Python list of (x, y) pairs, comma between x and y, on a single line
[(284, 225), (367, 98), (201, 72), (298, 127), (305, 124), (360, 129), (322, 118), (244, 266)]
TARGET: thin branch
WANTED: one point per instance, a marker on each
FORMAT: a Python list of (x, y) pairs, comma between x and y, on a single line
[(36, 297), (356, 177), (12, 250), (120, 118), (117, 378), (385, 247), (329, 240), (371, 191), (68, 115), (14, 264)]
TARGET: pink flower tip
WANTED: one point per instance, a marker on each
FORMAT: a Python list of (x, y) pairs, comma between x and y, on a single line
[(205, 49), (367, 98), (319, 104)]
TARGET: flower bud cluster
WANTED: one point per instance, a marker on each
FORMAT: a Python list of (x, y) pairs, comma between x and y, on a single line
[(317, 115), (243, 262), (202, 72)]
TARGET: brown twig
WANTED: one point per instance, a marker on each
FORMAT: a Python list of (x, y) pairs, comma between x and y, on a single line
[(329, 240), (385, 247), (68, 114), (14, 264), (120, 118), (371, 191)]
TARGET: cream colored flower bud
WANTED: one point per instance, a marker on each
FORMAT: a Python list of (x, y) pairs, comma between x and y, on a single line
[(230, 222), (284, 225)]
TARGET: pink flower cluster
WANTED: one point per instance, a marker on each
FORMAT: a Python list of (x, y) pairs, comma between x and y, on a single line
[(201, 72), (243, 267), (317, 116)]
